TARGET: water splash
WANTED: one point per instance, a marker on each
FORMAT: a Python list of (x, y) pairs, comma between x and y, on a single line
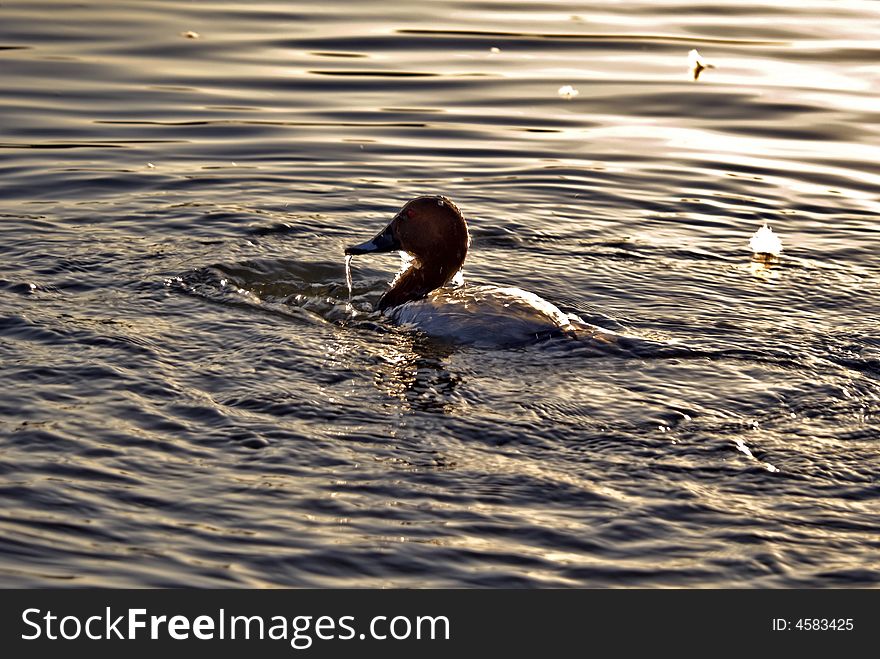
[(765, 242), (349, 307)]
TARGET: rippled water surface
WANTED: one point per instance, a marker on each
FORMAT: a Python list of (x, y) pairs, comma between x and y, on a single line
[(188, 399)]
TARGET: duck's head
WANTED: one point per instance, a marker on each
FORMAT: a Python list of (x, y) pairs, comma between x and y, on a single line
[(432, 231)]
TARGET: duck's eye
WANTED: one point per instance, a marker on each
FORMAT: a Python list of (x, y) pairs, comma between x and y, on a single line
[(409, 212)]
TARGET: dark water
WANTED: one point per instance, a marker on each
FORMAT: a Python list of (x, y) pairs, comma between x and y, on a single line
[(187, 400)]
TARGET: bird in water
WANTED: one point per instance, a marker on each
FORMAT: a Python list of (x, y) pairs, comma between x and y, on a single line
[(428, 294)]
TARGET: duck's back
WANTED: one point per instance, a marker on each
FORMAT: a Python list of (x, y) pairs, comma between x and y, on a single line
[(486, 315)]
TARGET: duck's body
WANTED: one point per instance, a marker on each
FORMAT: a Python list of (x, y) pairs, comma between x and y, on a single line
[(432, 231), (484, 315)]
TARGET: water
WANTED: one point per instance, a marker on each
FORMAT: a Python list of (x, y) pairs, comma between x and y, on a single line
[(188, 400)]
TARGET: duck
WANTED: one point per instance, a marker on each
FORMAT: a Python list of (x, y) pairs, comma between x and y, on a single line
[(429, 293)]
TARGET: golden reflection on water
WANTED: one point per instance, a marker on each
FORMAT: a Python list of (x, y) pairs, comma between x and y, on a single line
[(413, 370), (407, 367), (762, 265)]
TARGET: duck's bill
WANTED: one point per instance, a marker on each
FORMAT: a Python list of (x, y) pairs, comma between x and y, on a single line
[(385, 241)]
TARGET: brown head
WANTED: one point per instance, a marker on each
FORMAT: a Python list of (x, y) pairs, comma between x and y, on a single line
[(432, 231)]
